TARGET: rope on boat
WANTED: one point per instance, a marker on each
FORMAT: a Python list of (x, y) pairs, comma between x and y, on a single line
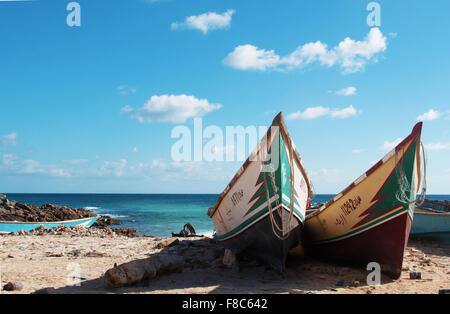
[(274, 224), (424, 183), (404, 184)]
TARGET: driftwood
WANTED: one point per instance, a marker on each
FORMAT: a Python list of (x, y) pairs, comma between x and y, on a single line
[(136, 271)]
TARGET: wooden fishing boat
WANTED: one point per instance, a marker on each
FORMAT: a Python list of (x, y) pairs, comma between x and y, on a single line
[(370, 220), (245, 220), (427, 220), (16, 226)]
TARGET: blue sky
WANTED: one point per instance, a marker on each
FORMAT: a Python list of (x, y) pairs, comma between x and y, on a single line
[(83, 108)]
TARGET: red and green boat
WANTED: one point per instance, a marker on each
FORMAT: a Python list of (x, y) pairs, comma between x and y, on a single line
[(262, 210), (371, 219)]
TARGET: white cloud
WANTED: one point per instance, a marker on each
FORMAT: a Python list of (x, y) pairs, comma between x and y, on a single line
[(344, 113), (393, 35), (11, 164), (248, 57), (206, 22), (113, 168), (388, 146), (171, 108), (76, 161), (429, 115), (317, 112), (348, 91), (126, 90), (357, 151), (437, 146), (349, 54), (134, 150), (10, 139)]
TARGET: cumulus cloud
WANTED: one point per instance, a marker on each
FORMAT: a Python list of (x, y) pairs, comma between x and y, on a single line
[(317, 112), (249, 57), (350, 55), (113, 168), (429, 115), (206, 22), (10, 139), (388, 146), (12, 164), (348, 91), (171, 108), (437, 146), (124, 90)]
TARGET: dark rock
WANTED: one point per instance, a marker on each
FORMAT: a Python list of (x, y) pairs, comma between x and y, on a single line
[(188, 231), (14, 211), (105, 221), (13, 286)]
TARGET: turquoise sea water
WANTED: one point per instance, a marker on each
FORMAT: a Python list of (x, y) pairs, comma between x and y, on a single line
[(150, 214)]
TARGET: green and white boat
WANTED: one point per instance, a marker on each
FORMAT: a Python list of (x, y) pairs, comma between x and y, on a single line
[(244, 218)]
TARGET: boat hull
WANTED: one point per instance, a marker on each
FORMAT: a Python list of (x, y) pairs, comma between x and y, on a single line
[(430, 222), (371, 219), (383, 244), (260, 243), (11, 226)]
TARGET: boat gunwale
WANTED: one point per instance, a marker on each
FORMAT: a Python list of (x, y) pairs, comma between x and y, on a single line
[(277, 121), (47, 222), (424, 212), (414, 133)]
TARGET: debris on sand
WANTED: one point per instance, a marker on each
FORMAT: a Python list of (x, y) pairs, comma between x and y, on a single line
[(136, 271)]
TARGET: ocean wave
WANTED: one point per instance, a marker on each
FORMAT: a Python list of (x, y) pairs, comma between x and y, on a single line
[(91, 208), (207, 233), (116, 216)]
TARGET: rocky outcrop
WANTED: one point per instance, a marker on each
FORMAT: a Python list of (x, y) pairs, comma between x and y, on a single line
[(436, 205), (15, 211), (79, 231), (105, 221)]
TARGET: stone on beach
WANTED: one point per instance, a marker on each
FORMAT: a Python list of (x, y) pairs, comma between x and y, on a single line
[(12, 286), (136, 271)]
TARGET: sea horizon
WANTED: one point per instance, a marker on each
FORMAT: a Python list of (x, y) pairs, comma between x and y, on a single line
[(156, 214)]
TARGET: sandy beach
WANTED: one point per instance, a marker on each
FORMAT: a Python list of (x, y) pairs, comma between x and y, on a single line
[(63, 259)]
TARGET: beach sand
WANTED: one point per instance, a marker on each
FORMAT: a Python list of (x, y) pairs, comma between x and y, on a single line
[(53, 260)]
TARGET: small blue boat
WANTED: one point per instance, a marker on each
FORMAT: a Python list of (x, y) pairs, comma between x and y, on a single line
[(430, 221), (15, 226)]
